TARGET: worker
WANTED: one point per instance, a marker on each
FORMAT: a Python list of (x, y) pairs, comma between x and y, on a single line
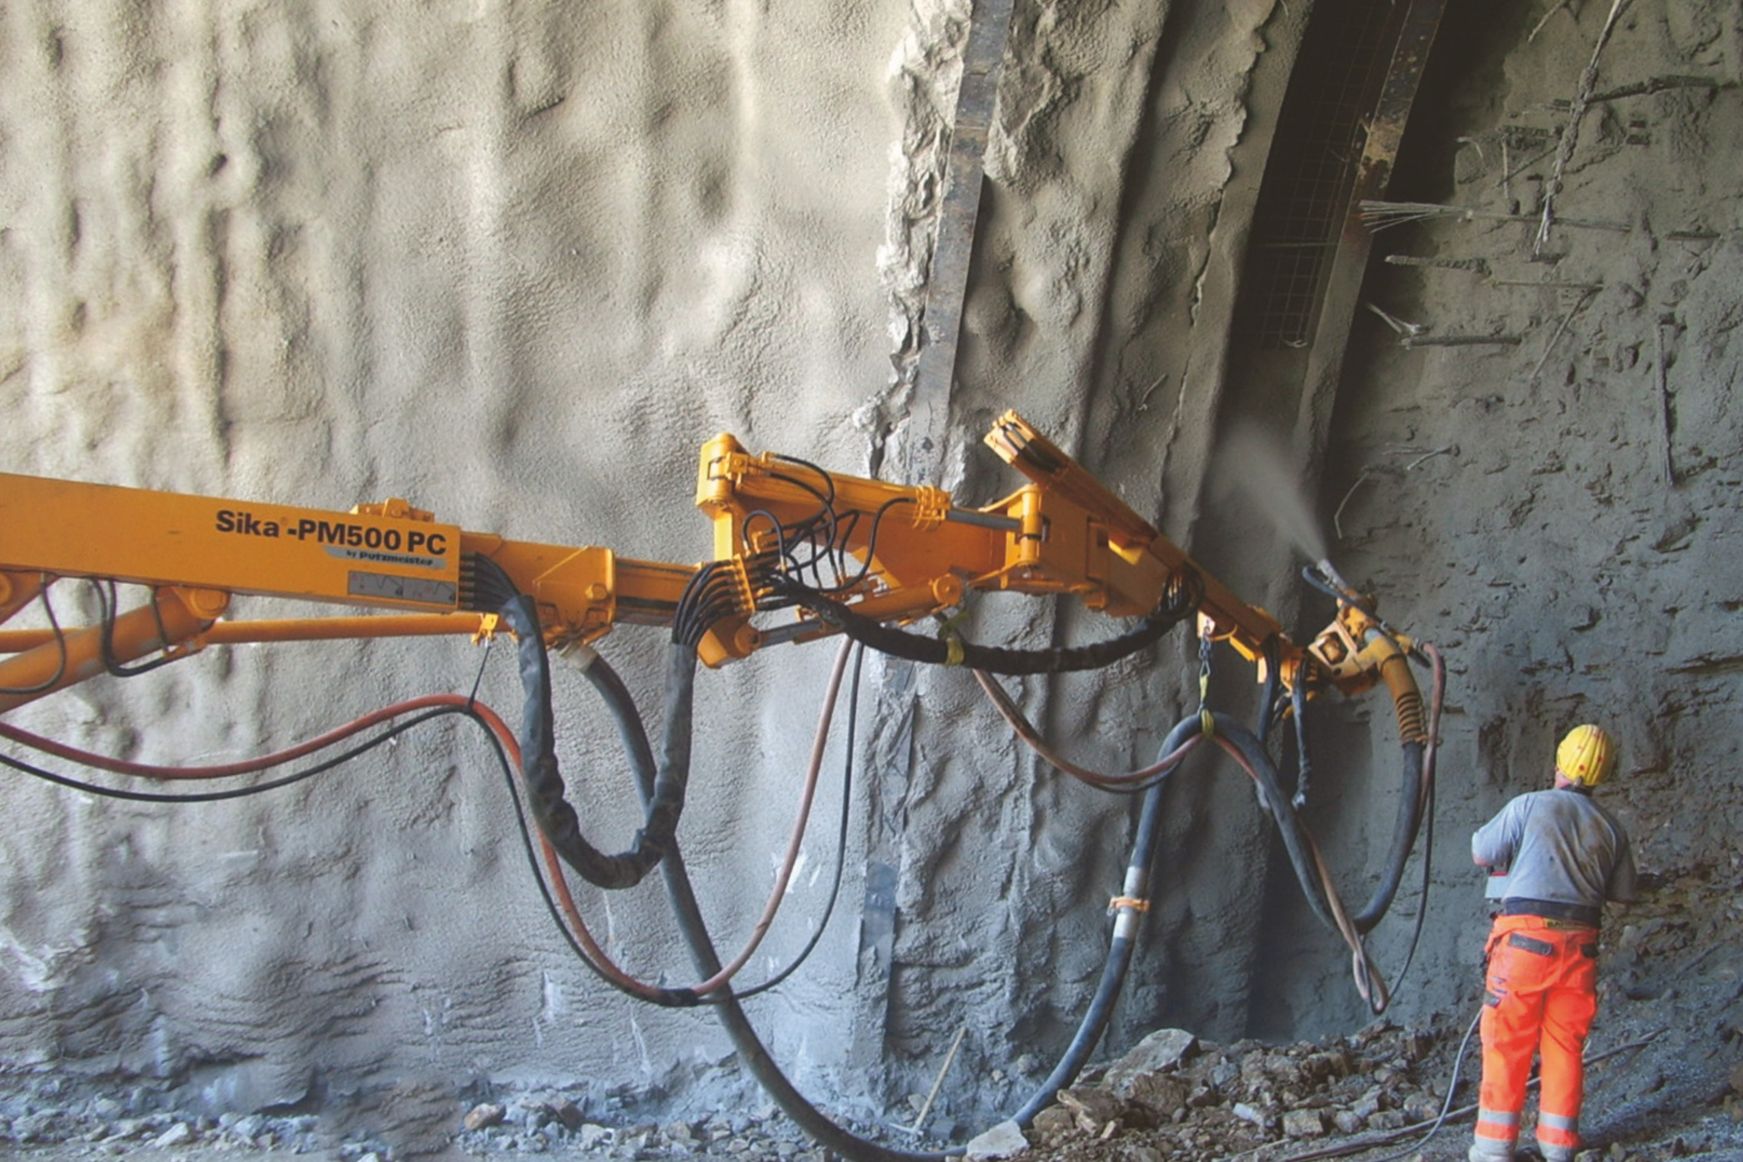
[(1563, 856)]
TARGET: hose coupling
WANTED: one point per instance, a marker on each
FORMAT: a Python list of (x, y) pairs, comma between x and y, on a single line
[(1127, 911)]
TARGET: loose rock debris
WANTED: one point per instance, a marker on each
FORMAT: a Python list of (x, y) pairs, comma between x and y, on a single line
[(1668, 964), (1214, 1100)]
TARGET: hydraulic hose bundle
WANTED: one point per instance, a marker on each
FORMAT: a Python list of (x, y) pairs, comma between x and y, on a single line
[(662, 783), (1250, 753), (789, 535), (713, 591), (1179, 599), (661, 789), (546, 801)]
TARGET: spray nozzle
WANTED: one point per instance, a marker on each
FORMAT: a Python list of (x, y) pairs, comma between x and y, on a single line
[(1329, 573)]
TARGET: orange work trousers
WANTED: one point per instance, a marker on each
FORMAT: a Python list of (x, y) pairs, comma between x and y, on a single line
[(1542, 981)]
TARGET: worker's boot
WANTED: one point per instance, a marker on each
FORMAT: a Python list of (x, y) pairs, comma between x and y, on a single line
[(1489, 1150), (1556, 1153)]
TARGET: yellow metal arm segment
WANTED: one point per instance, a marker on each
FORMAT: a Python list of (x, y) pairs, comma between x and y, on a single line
[(388, 556), (1064, 533), (1136, 553)]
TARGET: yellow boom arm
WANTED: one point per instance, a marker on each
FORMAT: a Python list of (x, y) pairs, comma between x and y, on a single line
[(906, 551)]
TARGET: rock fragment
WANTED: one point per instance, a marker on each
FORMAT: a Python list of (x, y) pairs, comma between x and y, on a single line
[(1094, 1108), (1004, 1140), (1053, 1123), (1161, 1050), (179, 1134), (1303, 1124)]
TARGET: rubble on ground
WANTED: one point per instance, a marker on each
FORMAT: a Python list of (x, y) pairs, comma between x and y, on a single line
[(43, 1117), (538, 1125), (1200, 1099), (535, 1123)]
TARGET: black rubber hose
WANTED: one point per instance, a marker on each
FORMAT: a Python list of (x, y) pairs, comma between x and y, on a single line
[(1120, 948), (620, 704), (1404, 829), (1268, 692), (682, 897), (544, 780), (1295, 839), (753, 1054), (743, 1035), (993, 659), (1303, 761), (1295, 842)]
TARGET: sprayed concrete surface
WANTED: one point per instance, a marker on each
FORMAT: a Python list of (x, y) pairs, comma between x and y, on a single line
[(516, 263)]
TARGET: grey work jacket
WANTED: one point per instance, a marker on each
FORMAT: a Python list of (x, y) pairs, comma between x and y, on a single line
[(1558, 846)]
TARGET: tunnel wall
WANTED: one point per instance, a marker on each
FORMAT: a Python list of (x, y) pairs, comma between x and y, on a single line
[(516, 263)]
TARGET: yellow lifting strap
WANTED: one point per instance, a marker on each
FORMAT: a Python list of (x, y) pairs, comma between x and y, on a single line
[(952, 637), (488, 623)]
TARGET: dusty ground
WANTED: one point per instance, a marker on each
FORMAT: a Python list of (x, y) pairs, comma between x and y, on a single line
[(1672, 1003)]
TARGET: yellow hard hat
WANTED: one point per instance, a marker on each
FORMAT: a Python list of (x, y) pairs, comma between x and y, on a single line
[(1586, 755)]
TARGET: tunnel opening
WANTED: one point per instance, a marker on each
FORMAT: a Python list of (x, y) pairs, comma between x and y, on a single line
[(1462, 90)]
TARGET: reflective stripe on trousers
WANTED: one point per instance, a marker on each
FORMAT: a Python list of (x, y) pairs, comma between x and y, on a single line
[(1490, 1150), (1542, 997)]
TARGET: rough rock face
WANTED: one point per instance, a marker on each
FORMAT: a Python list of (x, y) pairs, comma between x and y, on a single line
[(1510, 500), (515, 263), (1111, 152)]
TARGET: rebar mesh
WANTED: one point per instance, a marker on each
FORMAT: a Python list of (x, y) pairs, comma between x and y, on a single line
[(1303, 202)]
